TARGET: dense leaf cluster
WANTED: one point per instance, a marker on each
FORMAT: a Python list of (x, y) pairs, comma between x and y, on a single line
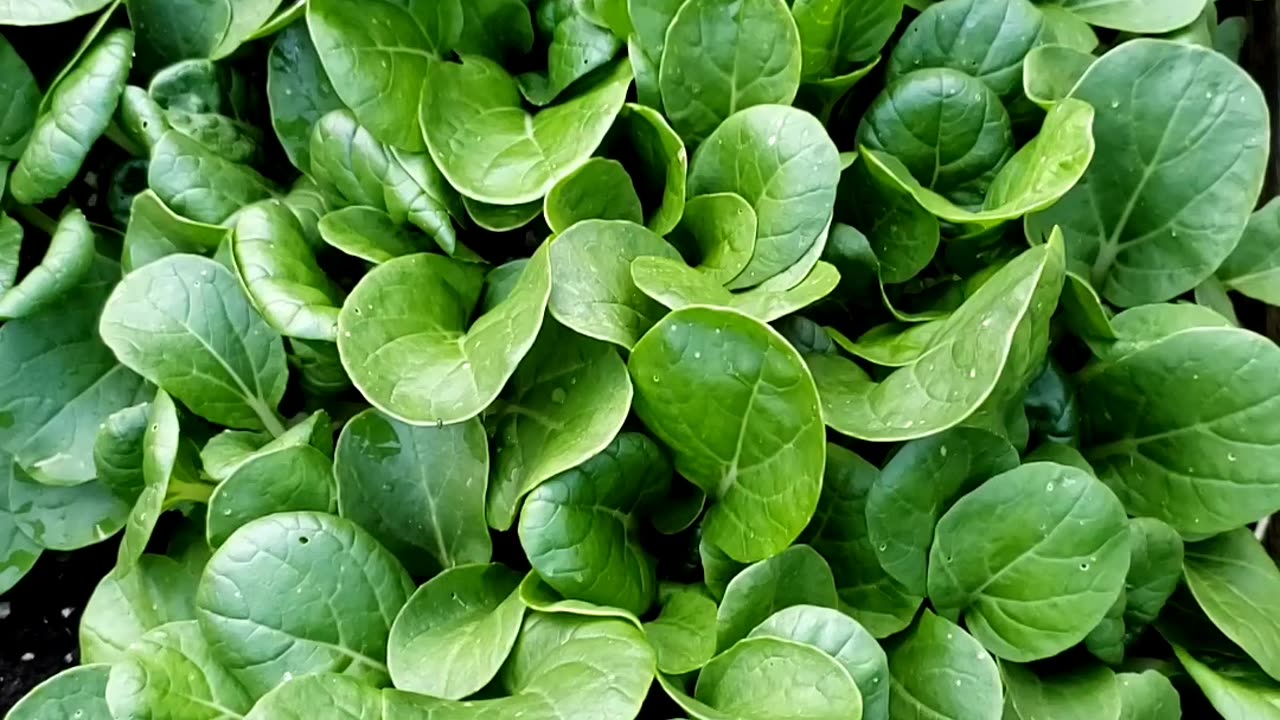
[(585, 359)]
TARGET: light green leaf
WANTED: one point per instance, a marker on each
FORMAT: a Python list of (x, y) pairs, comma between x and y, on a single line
[(118, 450), (656, 159), (1086, 693), (299, 92), (159, 458), (1072, 539), (767, 677), (1137, 16), (132, 600), (835, 34), (1148, 696), (796, 576), (938, 670), (18, 552), (156, 231), (419, 490), (295, 477), (78, 692), (759, 449), (455, 633), (491, 150), (201, 185), (183, 323), (1155, 569), (538, 595), (717, 234), (1052, 71), (369, 234), (407, 341), (173, 30), (1236, 583), (225, 137), (577, 47), (65, 264), (172, 673), (599, 189), (65, 518), (502, 218), (683, 634), (20, 96), (1253, 268), (677, 285)]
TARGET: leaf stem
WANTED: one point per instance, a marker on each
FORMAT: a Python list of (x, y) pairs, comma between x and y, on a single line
[(117, 135), (35, 218), (270, 420)]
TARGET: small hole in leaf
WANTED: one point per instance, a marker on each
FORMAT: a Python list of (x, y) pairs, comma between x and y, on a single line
[(303, 540)]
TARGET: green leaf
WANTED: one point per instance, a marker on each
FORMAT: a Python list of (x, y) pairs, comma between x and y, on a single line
[(491, 150), (1137, 16), (172, 672), (131, 600), (835, 34), (903, 235), (1051, 72), (717, 234), (650, 20), (223, 136), (1237, 692), (958, 366), (159, 458), (201, 185), (717, 567), (1085, 693), (842, 638), (537, 595), (342, 588), (759, 449), (419, 490), (939, 670), (280, 275), (299, 92), (230, 449), (722, 57), (433, 365), (1035, 178), (1253, 268), (1181, 411), (839, 533), (457, 630), (683, 634), (592, 291), (173, 30), (677, 285), (502, 218), (948, 129), (783, 163), (498, 29), (62, 384), (156, 231), (21, 97), (1236, 584), (66, 518), (580, 529), (183, 323), (369, 234), (1154, 216), (918, 485), (78, 692), (1155, 568), (655, 158), (1072, 538), (599, 189), (79, 108), (296, 477), (118, 450), (1148, 696), (65, 264), (577, 47), (18, 552), (767, 677), (796, 576), (565, 403), (376, 54)]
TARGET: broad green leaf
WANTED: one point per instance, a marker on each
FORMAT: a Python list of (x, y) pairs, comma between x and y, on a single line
[(721, 57), (299, 92), (319, 367), (1086, 693), (342, 590), (1180, 425), (1052, 71), (118, 450), (183, 323), (960, 365), (66, 518), (1212, 293), (655, 157), (78, 692), (159, 458), (577, 47), (228, 450), (498, 29), (903, 235), (842, 638), (821, 97), (537, 595), (297, 477), (20, 96), (502, 218), (1035, 177), (172, 30), (11, 233), (683, 634), (599, 189), (717, 567), (132, 600), (918, 485), (309, 203), (677, 285), (419, 490), (768, 677), (1155, 569), (369, 234), (408, 343), (156, 231), (649, 20), (580, 528), (565, 403), (79, 108), (278, 269), (592, 291), (196, 85), (782, 162), (835, 34), (1175, 175), (987, 39), (171, 672), (1238, 692), (201, 185), (717, 234), (839, 533), (939, 671), (948, 129), (796, 576), (377, 53), (1237, 584), (491, 150), (1032, 587), (1136, 16), (62, 383), (1148, 696), (225, 137), (758, 450), (65, 264), (457, 630), (1253, 268), (18, 552)]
